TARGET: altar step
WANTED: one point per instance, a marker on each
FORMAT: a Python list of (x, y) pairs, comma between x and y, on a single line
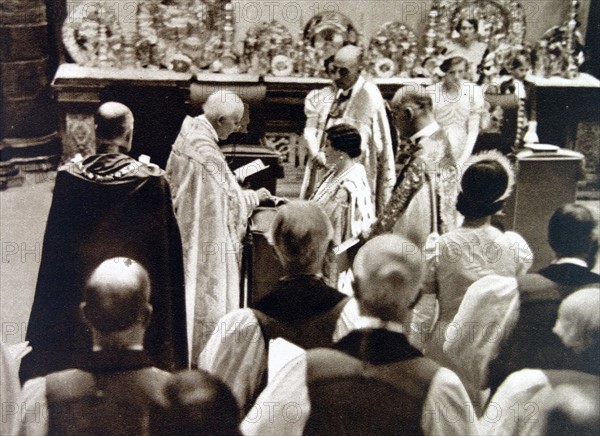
[(589, 189)]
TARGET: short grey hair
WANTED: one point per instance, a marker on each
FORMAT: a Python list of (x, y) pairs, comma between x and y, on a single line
[(223, 102), (580, 310), (301, 234), (387, 277)]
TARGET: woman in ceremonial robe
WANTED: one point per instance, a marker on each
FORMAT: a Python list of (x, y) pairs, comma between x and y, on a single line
[(344, 192), (475, 249)]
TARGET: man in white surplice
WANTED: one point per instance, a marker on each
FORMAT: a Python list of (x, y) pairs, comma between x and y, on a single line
[(372, 381), (301, 308), (212, 211), (527, 397), (358, 102)]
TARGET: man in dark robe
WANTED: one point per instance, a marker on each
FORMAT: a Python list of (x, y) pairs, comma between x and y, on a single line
[(531, 343), (107, 205), (116, 390)]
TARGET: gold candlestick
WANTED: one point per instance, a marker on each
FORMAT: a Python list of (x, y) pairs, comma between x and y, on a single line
[(431, 34), (572, 68), (228, 28), (103, 61), (128, 58)]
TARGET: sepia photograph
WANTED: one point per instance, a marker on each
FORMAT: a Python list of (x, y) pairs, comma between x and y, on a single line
[(299, 217)]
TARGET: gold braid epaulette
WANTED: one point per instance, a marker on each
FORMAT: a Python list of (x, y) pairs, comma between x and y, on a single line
[(403, 193)]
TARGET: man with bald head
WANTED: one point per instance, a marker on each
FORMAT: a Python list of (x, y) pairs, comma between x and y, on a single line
[(212, 210), (105, 205), (359, 103), (116, 389), (116, 299), (372, 381), (114, 128)]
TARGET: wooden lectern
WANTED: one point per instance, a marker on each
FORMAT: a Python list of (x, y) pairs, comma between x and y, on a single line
[(545, 181)]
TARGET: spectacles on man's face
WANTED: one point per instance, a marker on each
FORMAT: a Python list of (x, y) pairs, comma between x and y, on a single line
[(342, 71)]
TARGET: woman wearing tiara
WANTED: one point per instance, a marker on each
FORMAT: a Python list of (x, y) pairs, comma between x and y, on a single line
[(344, 192), (475, 249)]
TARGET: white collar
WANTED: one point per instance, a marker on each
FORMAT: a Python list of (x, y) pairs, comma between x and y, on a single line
[(428, 130), (360, 82), (370, 322), (211, 130), (353, 89), (572, 260)]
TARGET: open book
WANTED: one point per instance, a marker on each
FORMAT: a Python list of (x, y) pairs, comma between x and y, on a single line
[(249, 169)]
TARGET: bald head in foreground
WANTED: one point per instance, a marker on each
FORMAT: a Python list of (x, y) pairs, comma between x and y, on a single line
[(378, 362), (115, 389), (116, 303)]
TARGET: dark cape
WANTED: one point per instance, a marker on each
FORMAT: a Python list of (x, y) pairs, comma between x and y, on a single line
[(302, 309), (117, 392), (371, 382), (106, 206), (299, 297)]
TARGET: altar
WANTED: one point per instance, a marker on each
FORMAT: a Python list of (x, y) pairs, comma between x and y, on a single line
[(160, 99), (560, 104), (166, 56)]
